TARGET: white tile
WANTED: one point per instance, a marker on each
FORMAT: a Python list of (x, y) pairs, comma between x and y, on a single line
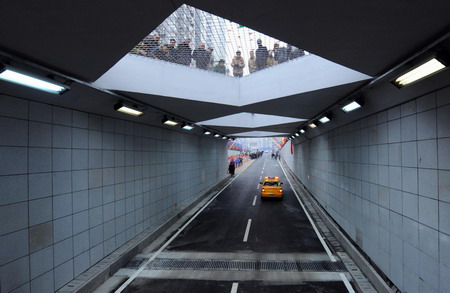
[(411, 206), (429, 270), (444, 279), (40, 185), (43, 283), (443, 121), (394, 131), (428, 212), (14, 189), (444, 186), (426, 125), (409, 154), (13, 132), (96, 253), (80, 138), (444, 153), (81, 242), (95, 178), (63, 274), (39, 160), (408, 108), (428, 183), (80, 119), (40, 112), (63, 251), (395, 154), (40, 211), (395, 177), (409, 180), (95, 139), (41, 262), (62, 205), (96, 235), (62, 182), (14, 246), (15, 274), (13, 217), (95, 216), (426, 102), (80, 222), (80, 180), (62, 136), (429, 241), (95, 197), (62, 116), (13, 160), (411, 231), (95, 159), (409, 128), (396, 201), (62, 228), (79, 159), (444, 216), (40, 134), (80, 201), (95, 122), (427, 154), (81, 263), (13, 107), (62, 159)]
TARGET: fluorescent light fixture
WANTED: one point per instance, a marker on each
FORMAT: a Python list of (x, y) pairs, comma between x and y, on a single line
[(426, 69), (297, 134), (128, 110), (170, 122), (216, 135), (352, 106), (302, 131), (186, 126), (206, 132), (312, 125), (324, 119), (26, 79)]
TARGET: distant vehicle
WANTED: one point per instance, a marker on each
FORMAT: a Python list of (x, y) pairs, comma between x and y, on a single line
[(271, 188)]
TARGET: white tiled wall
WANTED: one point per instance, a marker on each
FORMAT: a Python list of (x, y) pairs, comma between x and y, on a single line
[(386, 180), (76, 186)]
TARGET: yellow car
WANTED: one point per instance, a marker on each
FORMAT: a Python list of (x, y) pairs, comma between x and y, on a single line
[(271, 187)]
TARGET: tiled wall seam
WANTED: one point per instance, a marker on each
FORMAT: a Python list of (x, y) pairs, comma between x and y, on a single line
[(76, 186)]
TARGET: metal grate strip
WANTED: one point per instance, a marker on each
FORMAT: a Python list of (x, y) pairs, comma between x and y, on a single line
[(246, 265)]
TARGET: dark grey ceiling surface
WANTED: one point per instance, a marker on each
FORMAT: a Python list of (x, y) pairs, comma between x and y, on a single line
[(84, 39)]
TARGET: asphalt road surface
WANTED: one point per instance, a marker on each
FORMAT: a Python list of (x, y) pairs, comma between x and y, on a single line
[(241, 243)]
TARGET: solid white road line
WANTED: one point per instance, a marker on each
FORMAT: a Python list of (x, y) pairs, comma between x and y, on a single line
[(247, 230), (254, 200), (234, 288), (144, 265), (332, 258)]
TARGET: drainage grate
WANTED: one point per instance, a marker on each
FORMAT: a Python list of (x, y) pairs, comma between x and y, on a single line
[(135, 263), (246, 265)]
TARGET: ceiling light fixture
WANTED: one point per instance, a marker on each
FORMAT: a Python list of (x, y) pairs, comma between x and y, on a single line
[(356, 104), (312, 125), (206, 132), (325, 119), (297, 134), (302, 131), (187, 126), (425, 69), (120, 107), (20, 77), (224, 137), (216, 135), (170, 122)]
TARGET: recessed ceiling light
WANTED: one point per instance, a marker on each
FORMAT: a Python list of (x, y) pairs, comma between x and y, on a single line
[(352, 106), (312, 125), (297, 134), (216, 135), (187, 126), (302, 131), (324, 119), (206, 132), (424, 70), (170, 122), (120, 107)]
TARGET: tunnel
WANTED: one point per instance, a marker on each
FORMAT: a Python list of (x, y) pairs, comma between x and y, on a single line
[(117, 121)]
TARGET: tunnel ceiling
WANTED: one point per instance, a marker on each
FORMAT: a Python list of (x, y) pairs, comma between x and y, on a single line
[(84, 39)]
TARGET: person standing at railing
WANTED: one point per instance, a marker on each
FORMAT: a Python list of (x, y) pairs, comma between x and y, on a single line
[(238, 65), (201, 57), (261, 55), (220, 68), (184, 53), (280, 54), (252, 62)]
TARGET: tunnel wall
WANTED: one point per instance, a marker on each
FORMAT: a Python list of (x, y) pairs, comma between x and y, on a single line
[(385, 179), (75, 186)]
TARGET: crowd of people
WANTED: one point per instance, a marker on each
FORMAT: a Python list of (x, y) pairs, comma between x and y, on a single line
[(183, 54)]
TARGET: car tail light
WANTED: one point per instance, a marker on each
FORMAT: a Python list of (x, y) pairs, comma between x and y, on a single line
[(262, 189)]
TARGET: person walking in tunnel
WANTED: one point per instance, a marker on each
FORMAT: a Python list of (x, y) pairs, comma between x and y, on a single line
[(231, 167)]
